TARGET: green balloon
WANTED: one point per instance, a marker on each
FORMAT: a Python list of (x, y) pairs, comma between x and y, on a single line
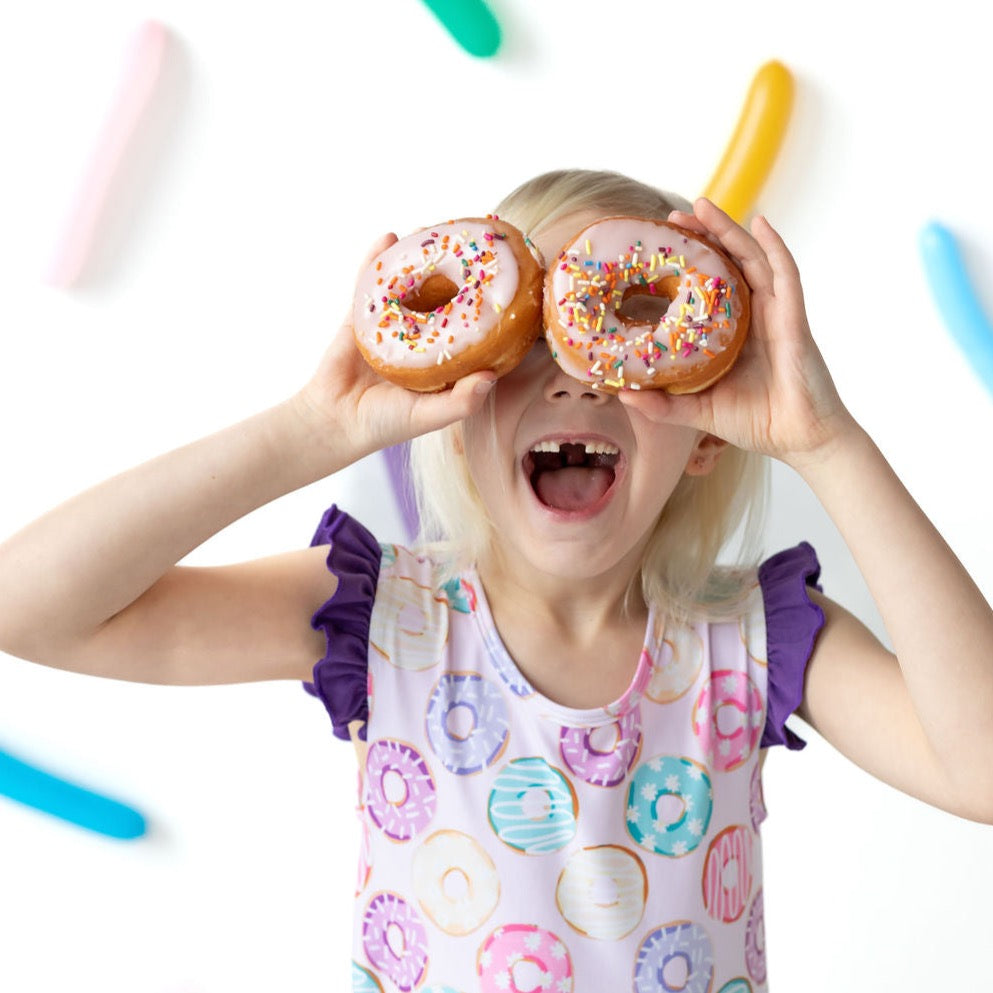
[(470, 22)]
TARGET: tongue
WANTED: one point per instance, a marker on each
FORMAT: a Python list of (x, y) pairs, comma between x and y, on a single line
[(573, 488)]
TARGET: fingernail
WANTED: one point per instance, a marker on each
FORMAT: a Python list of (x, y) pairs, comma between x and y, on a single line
[(483, 387)]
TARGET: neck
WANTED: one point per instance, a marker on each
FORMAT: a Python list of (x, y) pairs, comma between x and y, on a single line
[(576, 640), (580, 607)]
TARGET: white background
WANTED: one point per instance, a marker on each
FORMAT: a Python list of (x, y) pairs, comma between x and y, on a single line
[(281, 141)]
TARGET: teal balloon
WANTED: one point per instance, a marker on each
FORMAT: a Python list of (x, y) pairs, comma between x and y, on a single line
[(471, 23)]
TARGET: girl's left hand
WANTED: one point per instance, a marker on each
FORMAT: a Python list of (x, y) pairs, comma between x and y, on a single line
[(779, 398)]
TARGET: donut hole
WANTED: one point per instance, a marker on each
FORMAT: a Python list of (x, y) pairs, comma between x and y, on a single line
[(675, 972), (396, 941), (411, 621), (460, 722), (729, 875), (605, 740), (604, 892), (641, 304), (728, 720), (455, 885), (536, 804), (394, 788), (527, 975), (670, 808), (430, 295)]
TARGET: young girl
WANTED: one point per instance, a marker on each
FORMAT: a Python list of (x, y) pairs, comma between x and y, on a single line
[(560, 715)]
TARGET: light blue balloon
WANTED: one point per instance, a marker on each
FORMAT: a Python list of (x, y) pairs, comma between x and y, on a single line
[(39, 789), (956, 299)]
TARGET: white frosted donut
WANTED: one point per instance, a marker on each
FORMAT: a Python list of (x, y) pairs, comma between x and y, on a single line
[(449, 300), (602, 890), (677, 664), (409, 625), (455, 882), (638, 303)]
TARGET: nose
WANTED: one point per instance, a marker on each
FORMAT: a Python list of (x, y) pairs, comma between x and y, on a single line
[(560, 387)]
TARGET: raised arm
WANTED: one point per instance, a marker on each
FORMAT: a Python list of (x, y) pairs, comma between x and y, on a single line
[(93, 586), (920, 717)]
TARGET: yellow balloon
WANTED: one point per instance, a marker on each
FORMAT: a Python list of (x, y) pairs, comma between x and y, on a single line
[(752, 149)]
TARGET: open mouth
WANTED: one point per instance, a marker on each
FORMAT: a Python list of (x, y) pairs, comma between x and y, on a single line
[(571, 476)]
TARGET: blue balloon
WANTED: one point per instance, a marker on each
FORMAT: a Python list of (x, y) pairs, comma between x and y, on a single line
[(43, 791), (956, 299)]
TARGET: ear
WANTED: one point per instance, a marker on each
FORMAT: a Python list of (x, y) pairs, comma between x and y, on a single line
[(705, 455)]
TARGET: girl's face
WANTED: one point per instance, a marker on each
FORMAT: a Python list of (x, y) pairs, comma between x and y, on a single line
[(573, 480)]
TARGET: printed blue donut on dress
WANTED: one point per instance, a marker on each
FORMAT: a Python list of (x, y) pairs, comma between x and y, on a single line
[(467, 695), (658, 831), (682, 953), (533, 807)]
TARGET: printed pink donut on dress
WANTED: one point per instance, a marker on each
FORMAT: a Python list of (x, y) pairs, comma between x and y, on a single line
[(728, 719), (602, 756), (522, 957), (727, 874)]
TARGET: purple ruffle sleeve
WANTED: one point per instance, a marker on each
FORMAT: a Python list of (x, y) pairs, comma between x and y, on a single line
[(340, 677), (793, 622)]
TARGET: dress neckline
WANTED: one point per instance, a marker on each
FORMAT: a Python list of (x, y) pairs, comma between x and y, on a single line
[(520, 686)]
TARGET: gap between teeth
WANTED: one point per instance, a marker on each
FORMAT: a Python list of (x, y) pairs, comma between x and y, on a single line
[(592, 448)]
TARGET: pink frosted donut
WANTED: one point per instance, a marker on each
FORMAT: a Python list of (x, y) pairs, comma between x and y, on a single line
[(599, 762), (519, 957), (400, 793), (395, 940), (636, 303), (727, 874), (449, 300), (727, 719), (755, 940)]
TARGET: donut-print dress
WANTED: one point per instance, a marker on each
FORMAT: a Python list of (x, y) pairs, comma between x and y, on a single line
[(512, 844)]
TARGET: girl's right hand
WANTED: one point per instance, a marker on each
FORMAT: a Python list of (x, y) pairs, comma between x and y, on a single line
[(346, 399)]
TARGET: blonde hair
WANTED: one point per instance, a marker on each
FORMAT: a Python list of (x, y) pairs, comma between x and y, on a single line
[(679, 571)]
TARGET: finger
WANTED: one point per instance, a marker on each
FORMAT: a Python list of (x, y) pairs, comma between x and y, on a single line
[(379, 245), (687, 410), (683, 219), (780, 258), (465, 398), (744, 248)]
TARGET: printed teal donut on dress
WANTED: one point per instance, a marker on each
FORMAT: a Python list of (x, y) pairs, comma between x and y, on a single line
[(736, 986), (363, 981), (532, 807), (670, 801), (467, 722)]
